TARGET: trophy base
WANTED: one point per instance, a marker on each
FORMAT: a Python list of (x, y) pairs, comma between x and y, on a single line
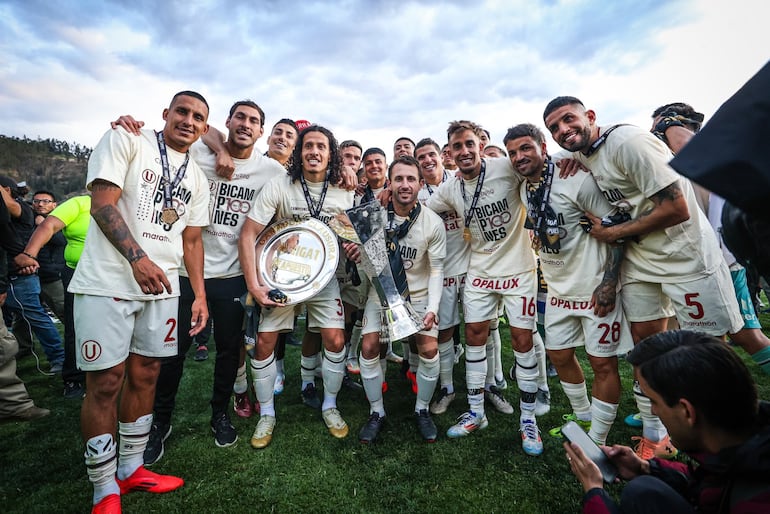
[(402, 321)]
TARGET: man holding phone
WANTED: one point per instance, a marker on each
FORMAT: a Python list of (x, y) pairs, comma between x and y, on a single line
[(704, 395)]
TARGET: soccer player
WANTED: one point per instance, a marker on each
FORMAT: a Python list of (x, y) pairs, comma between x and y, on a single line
[(149, 203), (416, 245), (502, 267), (309, 190), (427, 153), (403, 146), (582, 276), (672, 262)]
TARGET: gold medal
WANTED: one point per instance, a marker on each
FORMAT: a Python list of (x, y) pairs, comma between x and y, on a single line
[(467, 234), (169, 216)]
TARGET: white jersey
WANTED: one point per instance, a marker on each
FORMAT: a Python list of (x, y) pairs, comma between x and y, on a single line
[(280, 198), (500, 245), (230, 201), (133, 164), (632, 166), (458, 250), (574, 270)]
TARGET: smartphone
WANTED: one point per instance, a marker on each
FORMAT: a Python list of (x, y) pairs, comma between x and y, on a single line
[(576, 435)]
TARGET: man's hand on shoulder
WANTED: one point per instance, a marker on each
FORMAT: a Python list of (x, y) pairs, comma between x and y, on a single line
[(128, 122)]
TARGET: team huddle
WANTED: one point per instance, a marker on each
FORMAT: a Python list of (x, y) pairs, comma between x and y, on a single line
[(616, 234)]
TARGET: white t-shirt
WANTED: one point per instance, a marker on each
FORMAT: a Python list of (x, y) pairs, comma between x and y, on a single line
[(630, 167), (574, 270), (500, 245), (230, 202), (458, 250), (133, 164)]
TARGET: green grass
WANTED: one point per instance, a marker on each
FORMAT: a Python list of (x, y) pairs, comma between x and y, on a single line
[(305, 469)]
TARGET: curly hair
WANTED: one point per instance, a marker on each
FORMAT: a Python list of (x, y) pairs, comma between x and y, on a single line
[(335, 162)]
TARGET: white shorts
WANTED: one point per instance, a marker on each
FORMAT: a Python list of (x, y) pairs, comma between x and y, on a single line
[(108, 329), (372, 321), (481, 297), (707, 304), (448, 307), (572, 323), (352, 294), (324, 310)]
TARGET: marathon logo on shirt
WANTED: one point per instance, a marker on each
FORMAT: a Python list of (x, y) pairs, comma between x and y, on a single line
[(492, 219), (229, 203)]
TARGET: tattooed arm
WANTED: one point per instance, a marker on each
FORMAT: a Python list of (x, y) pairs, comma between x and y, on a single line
[(669, 209), (603, 298), (104, 199)]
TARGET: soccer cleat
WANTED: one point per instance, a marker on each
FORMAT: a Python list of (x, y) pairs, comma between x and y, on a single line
[(371, 428), (242, 405), (353, 367), (501, 384), (145, 480), (393, 357), (467, 422), (310, 397), (556, 431), (550, 371), (542, 402), (459, 351), (74, 390), (494, 396), (426, 426), (280, 378), (224, 431), (531, 442), (441, 404), (334, 422), (201, 354), (351, 384), (633, 420), (110, 504), (384, 386), (512, 371), (412, 378), (647, 449), (263, 434), (155, 444)]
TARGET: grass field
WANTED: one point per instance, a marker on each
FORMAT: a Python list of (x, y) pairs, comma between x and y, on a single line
[(305, 469)]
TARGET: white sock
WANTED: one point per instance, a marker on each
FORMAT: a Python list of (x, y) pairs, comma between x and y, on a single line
[(602, 417), (578, 399), (446, 353), (542, 374), (652, 427), (371, 376), (475, 374), (355, 340), (101, 464), (279, 366), (489, 348), (498, 348), (307, 370), (241, 381), (264, 383), (133, 441), (427, 376), (333, 373), (526, 379)]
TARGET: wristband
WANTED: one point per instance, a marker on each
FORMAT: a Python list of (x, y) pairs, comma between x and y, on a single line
[(30, 256)]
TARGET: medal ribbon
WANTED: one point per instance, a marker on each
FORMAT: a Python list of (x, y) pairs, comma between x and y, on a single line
[(168, 185), (314, 211), (476, 194), (393, 234)]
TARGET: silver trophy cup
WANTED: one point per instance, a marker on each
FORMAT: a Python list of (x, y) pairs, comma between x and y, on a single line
[(368, 222)]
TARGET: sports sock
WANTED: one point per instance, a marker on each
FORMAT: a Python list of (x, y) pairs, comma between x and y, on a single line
[(241, 382), (133, 441), (475, 374), (371, 376), (526, 378), (355, 340), (333, 373), (602, 417), (264, 382), (307, 370), (446, 353), (762, 358), (414, 359), (279, 366), (101, 463), (542, 374), (578, 399), (652, 427), (383, 366), (427, 376), (489, 348), (498, 347)]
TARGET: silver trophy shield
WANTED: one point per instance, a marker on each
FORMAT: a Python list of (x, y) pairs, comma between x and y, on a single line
[(368, 221)]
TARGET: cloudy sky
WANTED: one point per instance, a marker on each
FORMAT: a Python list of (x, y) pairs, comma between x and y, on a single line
[(371, 70)]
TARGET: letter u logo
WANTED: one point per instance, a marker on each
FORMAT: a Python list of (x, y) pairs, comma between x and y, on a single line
[(90, 350)]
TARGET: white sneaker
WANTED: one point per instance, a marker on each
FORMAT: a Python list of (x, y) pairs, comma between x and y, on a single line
[(531, 442), (263, 434), (442, 402), (542, 402), (467, 422), (334, 422), (494, 396), (280, 378)]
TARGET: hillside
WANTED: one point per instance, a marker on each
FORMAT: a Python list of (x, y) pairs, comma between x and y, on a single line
[(49, 164)]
